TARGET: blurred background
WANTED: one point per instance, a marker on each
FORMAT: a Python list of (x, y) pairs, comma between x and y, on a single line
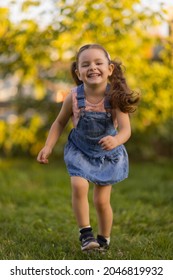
[(38, 42)]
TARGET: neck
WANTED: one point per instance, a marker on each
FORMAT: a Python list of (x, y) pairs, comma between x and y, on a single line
[(95, 90)]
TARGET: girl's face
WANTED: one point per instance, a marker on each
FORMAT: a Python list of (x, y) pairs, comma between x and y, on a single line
[(93, 67)]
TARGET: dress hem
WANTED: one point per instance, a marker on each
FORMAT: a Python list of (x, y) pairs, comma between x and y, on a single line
[(98, 183)]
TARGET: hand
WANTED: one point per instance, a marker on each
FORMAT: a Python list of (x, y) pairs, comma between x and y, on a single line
[(43, 155), (108, 142)]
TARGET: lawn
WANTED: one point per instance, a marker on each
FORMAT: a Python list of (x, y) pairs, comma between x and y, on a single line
[(37, 222)]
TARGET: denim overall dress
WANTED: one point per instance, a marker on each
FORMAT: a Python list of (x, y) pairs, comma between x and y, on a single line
[(84, 156)]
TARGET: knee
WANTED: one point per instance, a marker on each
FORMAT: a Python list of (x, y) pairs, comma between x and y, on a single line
[(100, 203), (77, 192), (79, 188)]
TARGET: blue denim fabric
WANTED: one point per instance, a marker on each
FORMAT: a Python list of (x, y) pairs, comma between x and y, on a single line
[(83, 155)]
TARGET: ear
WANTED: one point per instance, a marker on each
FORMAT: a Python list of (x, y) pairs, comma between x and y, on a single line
[(111, 68), (78, 74)]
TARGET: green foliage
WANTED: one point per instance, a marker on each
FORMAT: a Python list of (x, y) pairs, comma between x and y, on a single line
[(37, 221), (39, 57), (26, 53), (19, 136), (26, 133)]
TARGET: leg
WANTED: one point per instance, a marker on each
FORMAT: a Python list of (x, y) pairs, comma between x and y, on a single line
[(80, 203), (104, 210)]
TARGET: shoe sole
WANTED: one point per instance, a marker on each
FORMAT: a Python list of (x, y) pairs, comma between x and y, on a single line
[(90, 246)]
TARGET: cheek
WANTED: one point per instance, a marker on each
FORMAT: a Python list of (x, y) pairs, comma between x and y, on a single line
[(80, 75)]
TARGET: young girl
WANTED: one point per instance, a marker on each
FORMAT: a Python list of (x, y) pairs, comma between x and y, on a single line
[(94, 152)]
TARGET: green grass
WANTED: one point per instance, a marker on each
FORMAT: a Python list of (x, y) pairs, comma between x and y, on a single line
[(37, 222)]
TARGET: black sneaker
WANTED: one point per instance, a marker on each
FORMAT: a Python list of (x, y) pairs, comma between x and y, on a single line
[(88, 242), (103, 243)]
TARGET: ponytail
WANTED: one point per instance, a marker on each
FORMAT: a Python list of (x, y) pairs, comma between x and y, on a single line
[(121, 96)]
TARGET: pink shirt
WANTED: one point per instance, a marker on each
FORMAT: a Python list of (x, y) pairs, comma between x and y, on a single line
[(98, 107)]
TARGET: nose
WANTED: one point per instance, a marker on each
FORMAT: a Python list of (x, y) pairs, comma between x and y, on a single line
[(92, 66)]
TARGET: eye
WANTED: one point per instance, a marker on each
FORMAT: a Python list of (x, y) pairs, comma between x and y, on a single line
[(85, 65), (99, 63)]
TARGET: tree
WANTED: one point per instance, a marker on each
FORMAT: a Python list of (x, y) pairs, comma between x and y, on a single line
[(40, 55)]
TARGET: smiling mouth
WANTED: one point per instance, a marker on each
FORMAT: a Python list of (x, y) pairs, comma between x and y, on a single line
[(93, 75)]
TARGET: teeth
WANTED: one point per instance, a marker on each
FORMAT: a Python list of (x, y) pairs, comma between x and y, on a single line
[(93, 75)]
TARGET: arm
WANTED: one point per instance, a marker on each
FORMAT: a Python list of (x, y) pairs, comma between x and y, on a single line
[(56, 130), (124, 132)]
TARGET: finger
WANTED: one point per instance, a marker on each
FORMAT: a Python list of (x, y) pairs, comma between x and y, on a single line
[(39, 158), (102, 141), (44, 161), (42, 158)]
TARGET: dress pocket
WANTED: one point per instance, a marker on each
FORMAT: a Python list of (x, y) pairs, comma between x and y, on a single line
[(115, 154)]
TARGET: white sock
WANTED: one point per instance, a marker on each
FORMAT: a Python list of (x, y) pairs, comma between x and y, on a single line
[(108, 240)]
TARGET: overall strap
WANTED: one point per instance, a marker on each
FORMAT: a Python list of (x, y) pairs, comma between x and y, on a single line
[(81, 96), (107, 104)]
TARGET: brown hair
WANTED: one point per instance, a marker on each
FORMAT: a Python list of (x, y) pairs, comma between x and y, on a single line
[(120, 94)]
